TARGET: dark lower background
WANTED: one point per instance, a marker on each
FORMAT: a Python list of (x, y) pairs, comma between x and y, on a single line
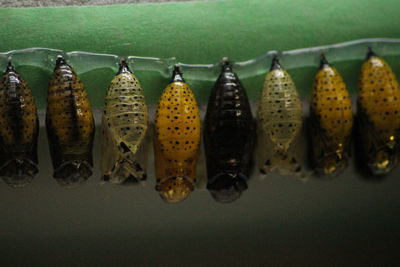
[(279, 221)]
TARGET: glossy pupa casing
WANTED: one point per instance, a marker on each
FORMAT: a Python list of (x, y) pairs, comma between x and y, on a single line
[(331, 119), (19, 129), (124, 128), (229, 136), (70, 126), (378, 107), (279, 118), (176, 140)]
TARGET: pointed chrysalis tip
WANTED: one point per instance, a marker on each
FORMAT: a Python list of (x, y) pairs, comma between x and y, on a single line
[(123, 61), (177, 71), (225, 60), (226, 64), (10, 66), (370, 53), (60, 60), (177, 74), (123, 66), (324, 62), (275, 65)]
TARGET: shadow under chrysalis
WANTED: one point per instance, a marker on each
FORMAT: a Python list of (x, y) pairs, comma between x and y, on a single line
[(70, 126), (378, 107), (19, 129), (124, 128), (229, 137)]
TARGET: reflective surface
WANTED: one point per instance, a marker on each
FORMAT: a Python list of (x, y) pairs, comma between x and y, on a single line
[(378, 112), (96, 70), (229, 137), (331, 121), (176, 140), (19, 128), (279, 121), (280, 220), (70, 126), (124, 129)]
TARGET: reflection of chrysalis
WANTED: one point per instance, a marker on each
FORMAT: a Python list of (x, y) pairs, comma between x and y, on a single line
[(280, 120), (331, 121), (70, 126), (176, 141), (124, 123), (229, 135), (19, 128), (379, 114)]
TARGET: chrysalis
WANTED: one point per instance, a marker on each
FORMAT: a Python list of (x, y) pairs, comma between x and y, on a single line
[(280, 120), (229, 136), (19, 129), (177, 139), (124, 123), (70, 126), (379, 114), (331, 121)]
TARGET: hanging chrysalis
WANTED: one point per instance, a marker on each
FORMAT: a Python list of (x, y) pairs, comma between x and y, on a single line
[(280, 120), (379, 114), (229, 136), (19, 129), (177, 139), (331, 121), (124, 123), (70, 126)]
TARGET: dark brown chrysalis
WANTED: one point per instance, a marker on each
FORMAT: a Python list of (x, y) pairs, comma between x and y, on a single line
[(19, 129), (229, 136), (70, 126)]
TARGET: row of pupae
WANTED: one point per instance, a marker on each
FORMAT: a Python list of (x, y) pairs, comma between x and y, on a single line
[(229, 128)]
